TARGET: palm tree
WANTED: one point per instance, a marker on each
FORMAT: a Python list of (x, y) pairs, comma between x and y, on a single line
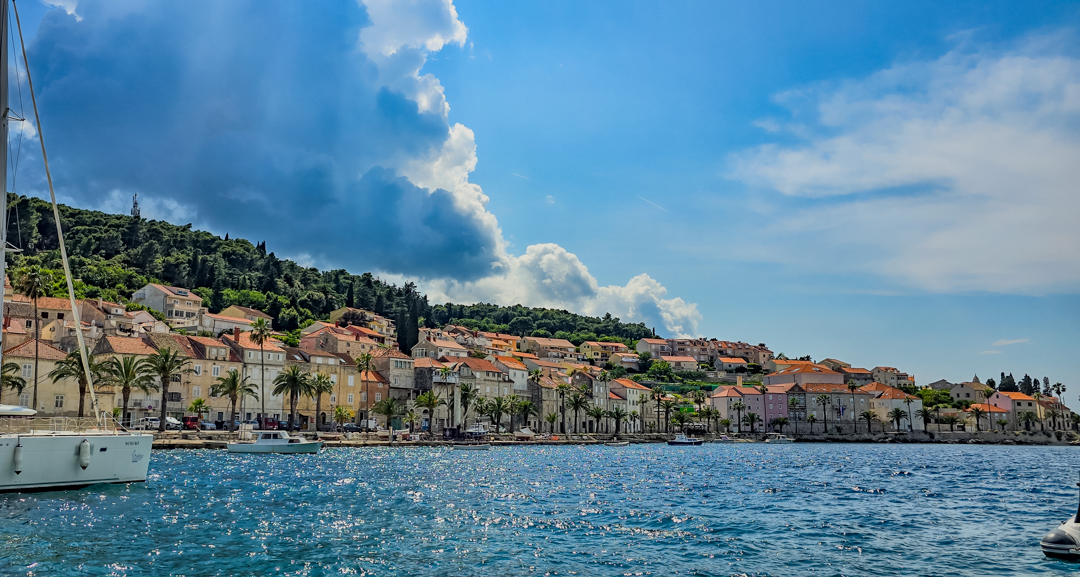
[(562, 389), (1038, 409), (71, 367), (780, 422), (634, 417), (617, 414), (852, 386), (793, 405), (34, 282), (578, 402), (166, 364), (498, 407), (198, 406), (896, 415), (978, 413), (551, 418), (128, 373), (1053, 414), (389, 408), (907, 401), (411, 419), (295, 383), (1005, 423), (870, 417), (657, 395), (468, 394), (342, 414), (822, 401), (365, 365), (668, 405), (429, 401), (320, 385), (726, 424), (811, 419), (10, 379), (925, 414), (937, 412), (679, 420), (445, 373), (526, 409), (1074, 420), (699, 397), (597, 413), (233, 386), (738, 407), (951, 421), (260, 333), (512, 402), (750, 419)]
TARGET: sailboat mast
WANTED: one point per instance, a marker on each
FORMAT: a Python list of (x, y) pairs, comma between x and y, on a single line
[(3, 158)]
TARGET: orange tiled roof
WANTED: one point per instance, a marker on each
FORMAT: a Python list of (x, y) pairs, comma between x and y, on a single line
[(44, 351), (372, 377), (1016, 396), (391, 353), (987, 408), (807, 368), (655, 341), (614, 397), (512, 363), (245, 342), (479, 365), (731, 360), (679, 359), (830, 388), (546, 342), (125, 346), (427, 363), (524, 355), (887, 392), (631, 384)]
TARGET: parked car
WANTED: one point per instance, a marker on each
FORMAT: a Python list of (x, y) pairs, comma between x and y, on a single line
[(350, 428), (147, 424), (207, 426)]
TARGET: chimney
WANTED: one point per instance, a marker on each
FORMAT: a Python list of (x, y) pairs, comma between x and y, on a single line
[(236, 333)]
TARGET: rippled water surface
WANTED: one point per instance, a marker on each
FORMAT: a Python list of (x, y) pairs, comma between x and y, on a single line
[(739, 509)]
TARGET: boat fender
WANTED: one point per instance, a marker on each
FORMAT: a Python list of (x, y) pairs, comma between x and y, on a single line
[(18, 458), (84, 454)]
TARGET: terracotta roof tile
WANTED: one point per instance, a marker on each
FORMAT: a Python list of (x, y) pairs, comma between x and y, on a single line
[(45, 351)]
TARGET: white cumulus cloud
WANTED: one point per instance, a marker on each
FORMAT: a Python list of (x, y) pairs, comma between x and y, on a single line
[(950, 175)]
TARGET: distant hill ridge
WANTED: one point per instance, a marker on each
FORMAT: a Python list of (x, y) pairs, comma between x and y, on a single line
[(114, 255)]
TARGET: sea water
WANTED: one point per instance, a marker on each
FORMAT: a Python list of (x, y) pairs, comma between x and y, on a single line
[(737, 509)]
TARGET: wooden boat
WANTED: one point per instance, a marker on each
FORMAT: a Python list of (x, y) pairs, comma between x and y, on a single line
[(275, 442), (617, 444), (682, 439)]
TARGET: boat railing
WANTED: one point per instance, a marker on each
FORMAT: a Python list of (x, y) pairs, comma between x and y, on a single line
[(45, 425)]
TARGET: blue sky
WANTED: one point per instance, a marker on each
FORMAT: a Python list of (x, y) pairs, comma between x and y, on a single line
[(884, 183)]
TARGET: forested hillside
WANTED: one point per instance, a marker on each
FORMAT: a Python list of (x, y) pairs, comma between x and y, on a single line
[(113, 255)]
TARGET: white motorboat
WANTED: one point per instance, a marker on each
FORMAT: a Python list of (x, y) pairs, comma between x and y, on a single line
[(1064, 541), (617, 444), (777, 438), (682, 439), (275, 442), (524, 434), (477, 430), (724, 439), (471, 446)]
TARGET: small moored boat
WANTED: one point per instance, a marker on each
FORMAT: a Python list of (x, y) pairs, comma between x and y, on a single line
[(524, 434), (724, 439), (471, 446), (275, 442), (682, 439), (1064, 541), (778, 438), (618, 444)]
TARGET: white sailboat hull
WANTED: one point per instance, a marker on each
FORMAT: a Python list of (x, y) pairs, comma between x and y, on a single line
[(54, 461)]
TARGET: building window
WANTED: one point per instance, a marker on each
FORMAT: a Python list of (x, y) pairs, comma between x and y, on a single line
[(196, 392), (58, 402), (215, 371), (351, 377), (27, 371), (318, 360), (29, 324), (44, 314), (174, 397), (333, 379), (250, 354), (363, 397), (350, 398), (60, 316), (333, 398), (198, 370), (24, 399)]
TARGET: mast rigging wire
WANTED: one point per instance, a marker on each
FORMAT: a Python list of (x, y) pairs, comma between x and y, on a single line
[(83, 353)]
